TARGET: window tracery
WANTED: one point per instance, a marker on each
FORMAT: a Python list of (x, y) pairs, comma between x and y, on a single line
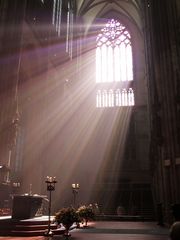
[(114, 65)]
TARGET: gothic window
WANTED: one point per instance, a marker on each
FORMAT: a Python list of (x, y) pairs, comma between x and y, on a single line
[(63, 20), (69, 33), (56, 16), (114, 66)]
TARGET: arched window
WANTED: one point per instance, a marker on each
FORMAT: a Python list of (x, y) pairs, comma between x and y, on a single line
[(63, 21), (56, 16), (114, 65)]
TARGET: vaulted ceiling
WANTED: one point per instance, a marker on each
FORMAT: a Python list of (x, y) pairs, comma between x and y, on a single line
[(91, 9)]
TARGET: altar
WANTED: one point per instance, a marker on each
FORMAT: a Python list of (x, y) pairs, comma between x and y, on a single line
[(26, 206)]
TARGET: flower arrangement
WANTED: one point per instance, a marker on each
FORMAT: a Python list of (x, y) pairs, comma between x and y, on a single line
[(85, 213), (66, 216)]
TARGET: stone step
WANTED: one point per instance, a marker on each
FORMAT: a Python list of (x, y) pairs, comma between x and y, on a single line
[(29, 227)]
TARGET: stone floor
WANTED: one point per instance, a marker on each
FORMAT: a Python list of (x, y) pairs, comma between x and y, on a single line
[(121, 231), (103, 230)]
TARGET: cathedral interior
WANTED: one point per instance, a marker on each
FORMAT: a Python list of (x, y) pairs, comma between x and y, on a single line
[(90, 94)]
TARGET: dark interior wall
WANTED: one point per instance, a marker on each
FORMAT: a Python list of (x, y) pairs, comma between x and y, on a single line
[(162, 39), (10, 47)]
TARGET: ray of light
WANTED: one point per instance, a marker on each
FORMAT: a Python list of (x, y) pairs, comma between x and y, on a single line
[(70, 137)]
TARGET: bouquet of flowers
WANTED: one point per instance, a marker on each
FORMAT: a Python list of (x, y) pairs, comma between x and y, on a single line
[(85, 213), (66, 216)]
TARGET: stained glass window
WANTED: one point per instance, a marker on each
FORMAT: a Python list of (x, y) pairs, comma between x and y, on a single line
[(114, 65)]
